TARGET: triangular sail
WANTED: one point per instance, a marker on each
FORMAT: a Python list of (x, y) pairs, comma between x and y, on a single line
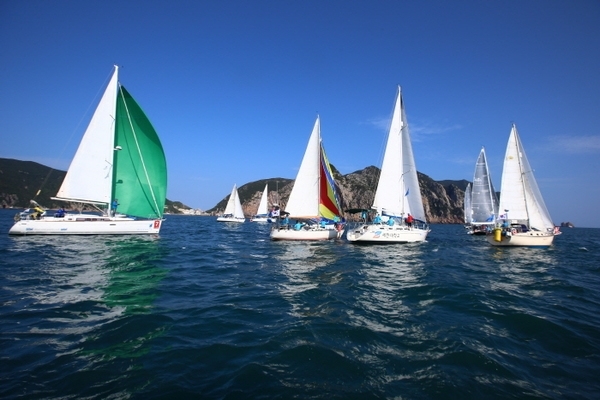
[(238, 210), (409, 172), (484, 201), (140, 173), (263, 207), (467, 205), (89, 177), (520, 198), (304, 198), (398, 192)]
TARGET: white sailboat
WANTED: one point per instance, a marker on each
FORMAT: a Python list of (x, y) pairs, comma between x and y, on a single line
[(120, 162), (233, 210), (398, 195), (525, 220), (263, 207), (484, 203), (314, 204)]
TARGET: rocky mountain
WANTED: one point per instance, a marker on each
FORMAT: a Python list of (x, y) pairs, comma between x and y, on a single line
[(443, 201)]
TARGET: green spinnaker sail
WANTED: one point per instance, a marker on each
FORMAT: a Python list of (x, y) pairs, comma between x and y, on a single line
[(140, 167)]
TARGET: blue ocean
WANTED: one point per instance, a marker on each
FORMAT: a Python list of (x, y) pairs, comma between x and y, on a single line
[(211, 310)]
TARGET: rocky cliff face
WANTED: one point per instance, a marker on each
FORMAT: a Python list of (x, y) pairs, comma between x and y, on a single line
[(443, 203)]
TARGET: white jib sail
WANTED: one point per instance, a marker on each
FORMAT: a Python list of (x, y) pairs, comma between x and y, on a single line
[(263, 207)]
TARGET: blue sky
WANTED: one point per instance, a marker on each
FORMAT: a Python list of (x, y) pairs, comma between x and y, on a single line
[(233, 87)]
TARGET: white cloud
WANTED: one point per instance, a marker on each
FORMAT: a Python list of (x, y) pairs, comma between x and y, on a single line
[(432, 129), (417, 130), (574, 144)]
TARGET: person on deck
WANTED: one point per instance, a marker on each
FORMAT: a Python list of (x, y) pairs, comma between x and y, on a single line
[(38, 212), (115, 204), (363, 215), (377, 219), (409, 220)]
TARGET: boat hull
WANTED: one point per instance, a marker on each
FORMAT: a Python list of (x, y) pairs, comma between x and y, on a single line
[(304, 234), (260, 219), (522, 239), (84, 224), (478, 230), (386, 234), (230, 219)]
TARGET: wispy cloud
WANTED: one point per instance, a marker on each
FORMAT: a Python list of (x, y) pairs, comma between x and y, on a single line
[(382, 123), (574, 144), (417, 130)]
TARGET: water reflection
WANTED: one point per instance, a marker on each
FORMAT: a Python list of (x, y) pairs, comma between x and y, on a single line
[(390, 276), (83, 291), (305, 267), (524, 271)]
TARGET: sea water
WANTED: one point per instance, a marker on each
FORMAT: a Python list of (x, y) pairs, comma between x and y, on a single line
[(217, 310)]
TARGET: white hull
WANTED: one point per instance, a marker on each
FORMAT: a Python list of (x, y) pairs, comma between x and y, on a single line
[(527, 239), (304, 234), (376, 233), (259, 219), (85, 224), (230, 219)]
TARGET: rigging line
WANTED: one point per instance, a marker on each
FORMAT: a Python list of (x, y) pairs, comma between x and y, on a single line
[(72, 134), (140, 153)]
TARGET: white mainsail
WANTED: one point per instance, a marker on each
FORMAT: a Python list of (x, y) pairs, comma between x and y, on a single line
[(520, 196), (304, 198), (89, 178), (484, 203)]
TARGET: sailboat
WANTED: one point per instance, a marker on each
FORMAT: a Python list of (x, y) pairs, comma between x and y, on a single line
[(314, 203), (233, 210), (263, 207), (525, 220), (484, 203), (400, 215), (119, 162)]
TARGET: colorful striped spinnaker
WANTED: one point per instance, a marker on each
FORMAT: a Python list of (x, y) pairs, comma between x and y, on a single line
[(329, 200)]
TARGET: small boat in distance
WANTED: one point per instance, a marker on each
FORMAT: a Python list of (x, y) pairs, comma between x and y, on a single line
[(233, 210), (314, 203), (525, 220), (120, 163), (400, 215), (263, 207)]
